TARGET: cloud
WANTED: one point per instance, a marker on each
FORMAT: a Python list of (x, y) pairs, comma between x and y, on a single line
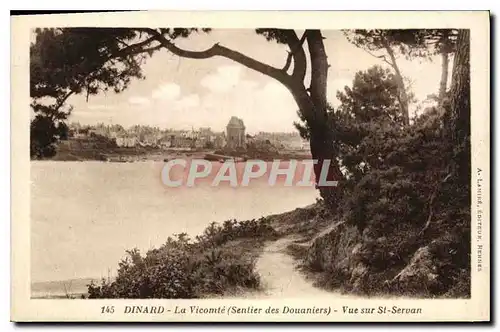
[(248, 85), (273, 89), (101, 107), (167, 91), (192, 100), (92, 116), (140, 101), (225, 79)]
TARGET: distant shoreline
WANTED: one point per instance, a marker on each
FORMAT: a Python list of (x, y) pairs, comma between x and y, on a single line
[(128, 155), (68, 288)]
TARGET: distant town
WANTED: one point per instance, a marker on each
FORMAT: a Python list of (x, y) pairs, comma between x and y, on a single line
[(111, 141)]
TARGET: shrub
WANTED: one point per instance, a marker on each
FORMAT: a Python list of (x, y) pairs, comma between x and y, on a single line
[(401, 193), (181, 268)]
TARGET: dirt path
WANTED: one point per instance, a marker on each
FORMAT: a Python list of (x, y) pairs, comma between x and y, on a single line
[(280, 277)]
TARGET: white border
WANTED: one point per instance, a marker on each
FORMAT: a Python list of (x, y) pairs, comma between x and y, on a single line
[(193, 5)]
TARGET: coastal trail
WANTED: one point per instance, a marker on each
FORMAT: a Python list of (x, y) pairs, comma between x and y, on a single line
[(280, 277)]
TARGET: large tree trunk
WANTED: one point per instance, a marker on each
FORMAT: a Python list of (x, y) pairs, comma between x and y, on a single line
[(444, 77), (459, 108), (322, 147), (316, 114), (444, 70), (403, 96)]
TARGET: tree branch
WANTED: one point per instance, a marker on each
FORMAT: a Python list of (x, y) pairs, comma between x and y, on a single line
[(121, 42), (431, 212), (219, 50), (135, 49), (431, 202), (297, 53), (63, 100), (381, 57), (288, 62)]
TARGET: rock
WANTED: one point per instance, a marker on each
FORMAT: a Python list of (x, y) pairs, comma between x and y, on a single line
[(332, 249), (420, 274)]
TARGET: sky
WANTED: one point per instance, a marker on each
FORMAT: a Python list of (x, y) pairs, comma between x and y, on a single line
[(183, 93)]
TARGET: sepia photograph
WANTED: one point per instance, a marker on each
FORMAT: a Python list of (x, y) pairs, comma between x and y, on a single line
[(254, 164)]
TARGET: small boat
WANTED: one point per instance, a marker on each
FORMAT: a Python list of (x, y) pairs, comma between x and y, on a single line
[(214, 157)]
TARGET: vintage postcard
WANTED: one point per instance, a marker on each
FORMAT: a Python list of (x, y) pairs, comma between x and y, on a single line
[(251, 167)]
